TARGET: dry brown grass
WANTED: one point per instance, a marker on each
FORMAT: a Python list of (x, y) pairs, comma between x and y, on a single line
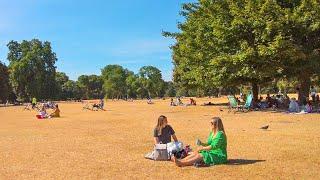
[(111, 144)]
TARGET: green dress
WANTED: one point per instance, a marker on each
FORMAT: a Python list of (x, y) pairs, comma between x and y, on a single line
[(218, 152)]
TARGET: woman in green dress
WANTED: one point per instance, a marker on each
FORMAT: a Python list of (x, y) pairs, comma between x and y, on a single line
[(212, 152)]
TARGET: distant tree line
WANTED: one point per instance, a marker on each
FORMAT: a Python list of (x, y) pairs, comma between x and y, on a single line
[(32, 73), (224, 45)]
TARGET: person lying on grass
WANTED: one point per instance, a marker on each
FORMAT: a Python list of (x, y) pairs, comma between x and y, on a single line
[(163, 131), (212, 152), (56, 112)]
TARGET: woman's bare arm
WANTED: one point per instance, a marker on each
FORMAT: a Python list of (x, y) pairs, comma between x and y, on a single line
[(175, 138), (206, 148), (156, 140)]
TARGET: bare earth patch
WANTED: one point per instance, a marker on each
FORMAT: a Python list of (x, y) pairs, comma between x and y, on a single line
[(111, 144)]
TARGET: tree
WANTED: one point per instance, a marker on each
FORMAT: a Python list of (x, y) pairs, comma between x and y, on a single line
[(301, 43), (228, 43), (61, 79), (91, 86), (32, 69), (152, 81), (114, 81), (4, 82), (133, 84), (170, 89), (71, 90)]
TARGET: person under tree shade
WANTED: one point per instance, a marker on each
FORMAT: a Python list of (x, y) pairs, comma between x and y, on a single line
[(313, 93)]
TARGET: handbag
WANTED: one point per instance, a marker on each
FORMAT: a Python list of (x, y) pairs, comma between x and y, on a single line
[(160, 152)]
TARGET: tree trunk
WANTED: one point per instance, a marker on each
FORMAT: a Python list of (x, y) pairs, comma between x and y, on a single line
[(255, 91), (303, 93)]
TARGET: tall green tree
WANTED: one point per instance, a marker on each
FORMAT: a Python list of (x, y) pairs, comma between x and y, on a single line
[(170, 90), (71, 90), (228, 43), (91, 86), (300, 46), (133, 85), (61, 79), (152, 81), (32, 69), (4, 82), (114, 81)]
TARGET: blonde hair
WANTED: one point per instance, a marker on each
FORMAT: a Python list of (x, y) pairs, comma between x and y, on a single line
[(217, 125), (162, 120)]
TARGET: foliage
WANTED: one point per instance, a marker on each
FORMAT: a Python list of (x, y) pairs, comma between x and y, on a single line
[(151, 80), (114, 77), (4, 82), (91, 86), (32, 69), (227, 43)]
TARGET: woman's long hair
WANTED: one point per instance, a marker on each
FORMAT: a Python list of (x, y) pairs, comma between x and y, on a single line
[(162, 120), (217, 125)]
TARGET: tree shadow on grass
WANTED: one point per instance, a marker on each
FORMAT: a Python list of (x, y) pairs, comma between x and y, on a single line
[(243, 161)]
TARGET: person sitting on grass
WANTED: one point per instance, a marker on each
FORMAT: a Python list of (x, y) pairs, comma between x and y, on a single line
[(56, 112), (308, 107), (43, 113), (293, 106), (172, 103), (101, 105), (193, 102), (179, 102), (163, 132), (211, 153), (97, 106)]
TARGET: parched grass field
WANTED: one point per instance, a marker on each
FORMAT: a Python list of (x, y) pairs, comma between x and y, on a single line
[(111, 144)]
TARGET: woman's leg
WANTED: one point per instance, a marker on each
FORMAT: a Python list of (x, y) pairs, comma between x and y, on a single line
[(192, 155), (189, 162)]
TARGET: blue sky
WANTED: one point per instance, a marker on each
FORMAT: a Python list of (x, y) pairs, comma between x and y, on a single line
[(87, 35)]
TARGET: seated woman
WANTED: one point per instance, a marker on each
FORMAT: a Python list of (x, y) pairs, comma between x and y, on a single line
[(294, 106), (149, 101), (163, 131), (193, 102), (43, 113), (56, 112), (101, 104), (212, 152), (172, 103), (308, 107)]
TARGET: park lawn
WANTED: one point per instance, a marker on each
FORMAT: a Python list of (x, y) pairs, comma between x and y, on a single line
[(111, 144)]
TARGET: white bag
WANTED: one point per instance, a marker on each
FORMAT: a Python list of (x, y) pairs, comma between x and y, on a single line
[(160, 152)]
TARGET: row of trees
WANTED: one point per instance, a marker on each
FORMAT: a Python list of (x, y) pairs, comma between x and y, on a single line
[(32, 73), (247, 42)]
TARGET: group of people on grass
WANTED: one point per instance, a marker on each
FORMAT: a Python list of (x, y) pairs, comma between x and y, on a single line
[(283, 101), (95, 106), (214, 151), (179, 102), (43, 114)]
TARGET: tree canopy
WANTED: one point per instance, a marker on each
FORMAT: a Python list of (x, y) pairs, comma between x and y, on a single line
[(4, 82), (227, 43), (32, 69)]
